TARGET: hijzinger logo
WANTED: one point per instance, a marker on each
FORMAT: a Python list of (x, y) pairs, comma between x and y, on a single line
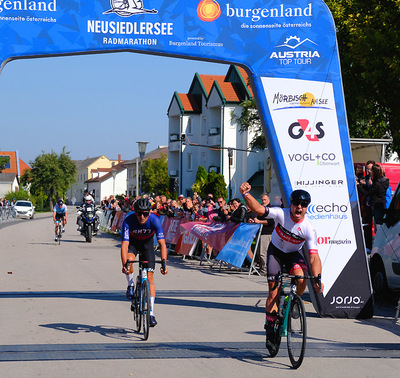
[(128, 8), (208, 10), (303, 127)]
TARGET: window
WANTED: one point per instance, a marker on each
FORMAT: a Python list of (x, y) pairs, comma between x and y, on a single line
[(189, 162), (7, 159), (189, 127), (203, 126)]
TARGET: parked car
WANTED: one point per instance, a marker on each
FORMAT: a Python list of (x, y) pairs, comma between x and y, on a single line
[(24, 209), (385, 255)]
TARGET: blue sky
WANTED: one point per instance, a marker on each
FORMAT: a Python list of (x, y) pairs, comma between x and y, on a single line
[(92, 104)]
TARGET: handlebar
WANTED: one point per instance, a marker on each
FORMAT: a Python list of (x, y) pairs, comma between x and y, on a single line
[(280, 276), (162, 262)]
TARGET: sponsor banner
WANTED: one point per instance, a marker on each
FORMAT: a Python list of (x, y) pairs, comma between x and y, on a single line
[(235, 251), (117, 221), (187, 243), (304, 116), (172, 229), (214, 234)]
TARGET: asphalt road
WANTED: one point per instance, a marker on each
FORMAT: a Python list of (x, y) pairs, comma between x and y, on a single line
[(63, 313)]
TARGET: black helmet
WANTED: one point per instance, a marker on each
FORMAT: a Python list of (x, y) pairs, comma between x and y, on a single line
[(299, 196), (142, 204), (60, 202)]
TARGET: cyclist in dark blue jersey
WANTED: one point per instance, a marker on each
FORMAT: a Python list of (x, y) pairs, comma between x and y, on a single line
[(138, 232)]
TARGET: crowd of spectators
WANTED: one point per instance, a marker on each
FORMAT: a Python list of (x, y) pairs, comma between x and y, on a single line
[(194, 208)]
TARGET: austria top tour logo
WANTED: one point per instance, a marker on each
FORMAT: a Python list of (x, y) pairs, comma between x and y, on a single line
[(128, 8)]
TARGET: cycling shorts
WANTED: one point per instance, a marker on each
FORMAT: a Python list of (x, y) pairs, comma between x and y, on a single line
[(276, 260), (145, 249), (60, 216)]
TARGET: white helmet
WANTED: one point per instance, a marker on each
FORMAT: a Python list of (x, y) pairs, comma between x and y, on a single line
[(88, 198)]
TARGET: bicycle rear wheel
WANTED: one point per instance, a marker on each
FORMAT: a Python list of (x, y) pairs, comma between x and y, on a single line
[(146, 309), (59, 233), (137, 315), (297, 332)]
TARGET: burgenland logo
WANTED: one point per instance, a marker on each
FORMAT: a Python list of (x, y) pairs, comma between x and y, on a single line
[(128, 8), (295, 50), (24, 5), (303, 127), (208, 10)]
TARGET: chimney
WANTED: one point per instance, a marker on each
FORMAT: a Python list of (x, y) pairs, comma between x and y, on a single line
[(119, 158)]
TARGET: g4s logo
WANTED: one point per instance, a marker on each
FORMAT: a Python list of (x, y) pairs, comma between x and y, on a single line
[(303, 127)]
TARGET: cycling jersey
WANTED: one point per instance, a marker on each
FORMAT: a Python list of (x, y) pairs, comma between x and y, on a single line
[(289, 236), (60, 211), (133, 231)]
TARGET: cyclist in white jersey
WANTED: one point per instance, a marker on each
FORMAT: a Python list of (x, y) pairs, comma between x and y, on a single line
[(292, 231)]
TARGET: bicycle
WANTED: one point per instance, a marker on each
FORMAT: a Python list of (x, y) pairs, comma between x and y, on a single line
[(58, 222), (140, 305), (291, 319)]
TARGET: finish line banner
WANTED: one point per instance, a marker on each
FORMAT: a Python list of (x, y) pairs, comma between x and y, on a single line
[(235, 251), (290, 52)]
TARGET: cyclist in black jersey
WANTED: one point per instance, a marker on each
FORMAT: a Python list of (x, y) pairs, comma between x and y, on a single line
[(292, 231)]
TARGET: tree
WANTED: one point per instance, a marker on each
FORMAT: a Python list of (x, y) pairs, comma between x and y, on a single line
[(209, 183), (155, 175), (51, 175), (369, 46), (4, 160), (249, 120)]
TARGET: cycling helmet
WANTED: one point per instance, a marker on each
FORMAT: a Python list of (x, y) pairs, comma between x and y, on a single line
[(60, 202), (142, 204), (300, 195)]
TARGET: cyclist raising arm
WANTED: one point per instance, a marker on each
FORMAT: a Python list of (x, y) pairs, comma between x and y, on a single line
[(60, 213), (138, 232), (292, 231)]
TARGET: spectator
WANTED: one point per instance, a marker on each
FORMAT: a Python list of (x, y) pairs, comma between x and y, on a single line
[(268, 226), (376, 193), (238, 215), (222, 211)]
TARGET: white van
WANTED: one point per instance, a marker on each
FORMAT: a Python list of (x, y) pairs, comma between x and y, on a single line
[(385, 255)]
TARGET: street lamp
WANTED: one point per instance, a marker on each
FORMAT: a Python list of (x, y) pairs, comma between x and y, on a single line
[(114, 174), (142, 151)]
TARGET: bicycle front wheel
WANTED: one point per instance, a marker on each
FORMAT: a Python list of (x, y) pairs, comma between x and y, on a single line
[(137, 313), (297, 332), (146, 309)]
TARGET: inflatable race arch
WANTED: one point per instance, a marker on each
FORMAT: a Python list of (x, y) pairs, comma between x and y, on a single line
[(289, 49)]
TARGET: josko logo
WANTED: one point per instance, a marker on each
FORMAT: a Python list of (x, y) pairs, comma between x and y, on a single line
[(208, 10), (303, 127), (128, 8)]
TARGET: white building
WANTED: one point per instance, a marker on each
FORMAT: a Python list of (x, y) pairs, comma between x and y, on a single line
[(108, 181), (201, 132), (8, 183)]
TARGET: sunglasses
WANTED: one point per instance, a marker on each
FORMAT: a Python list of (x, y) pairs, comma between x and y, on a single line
[(143, 214), (220, 201), (301, 203)]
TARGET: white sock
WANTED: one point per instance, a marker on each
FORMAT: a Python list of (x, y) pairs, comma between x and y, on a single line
[(152, 299), (129, 278)]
